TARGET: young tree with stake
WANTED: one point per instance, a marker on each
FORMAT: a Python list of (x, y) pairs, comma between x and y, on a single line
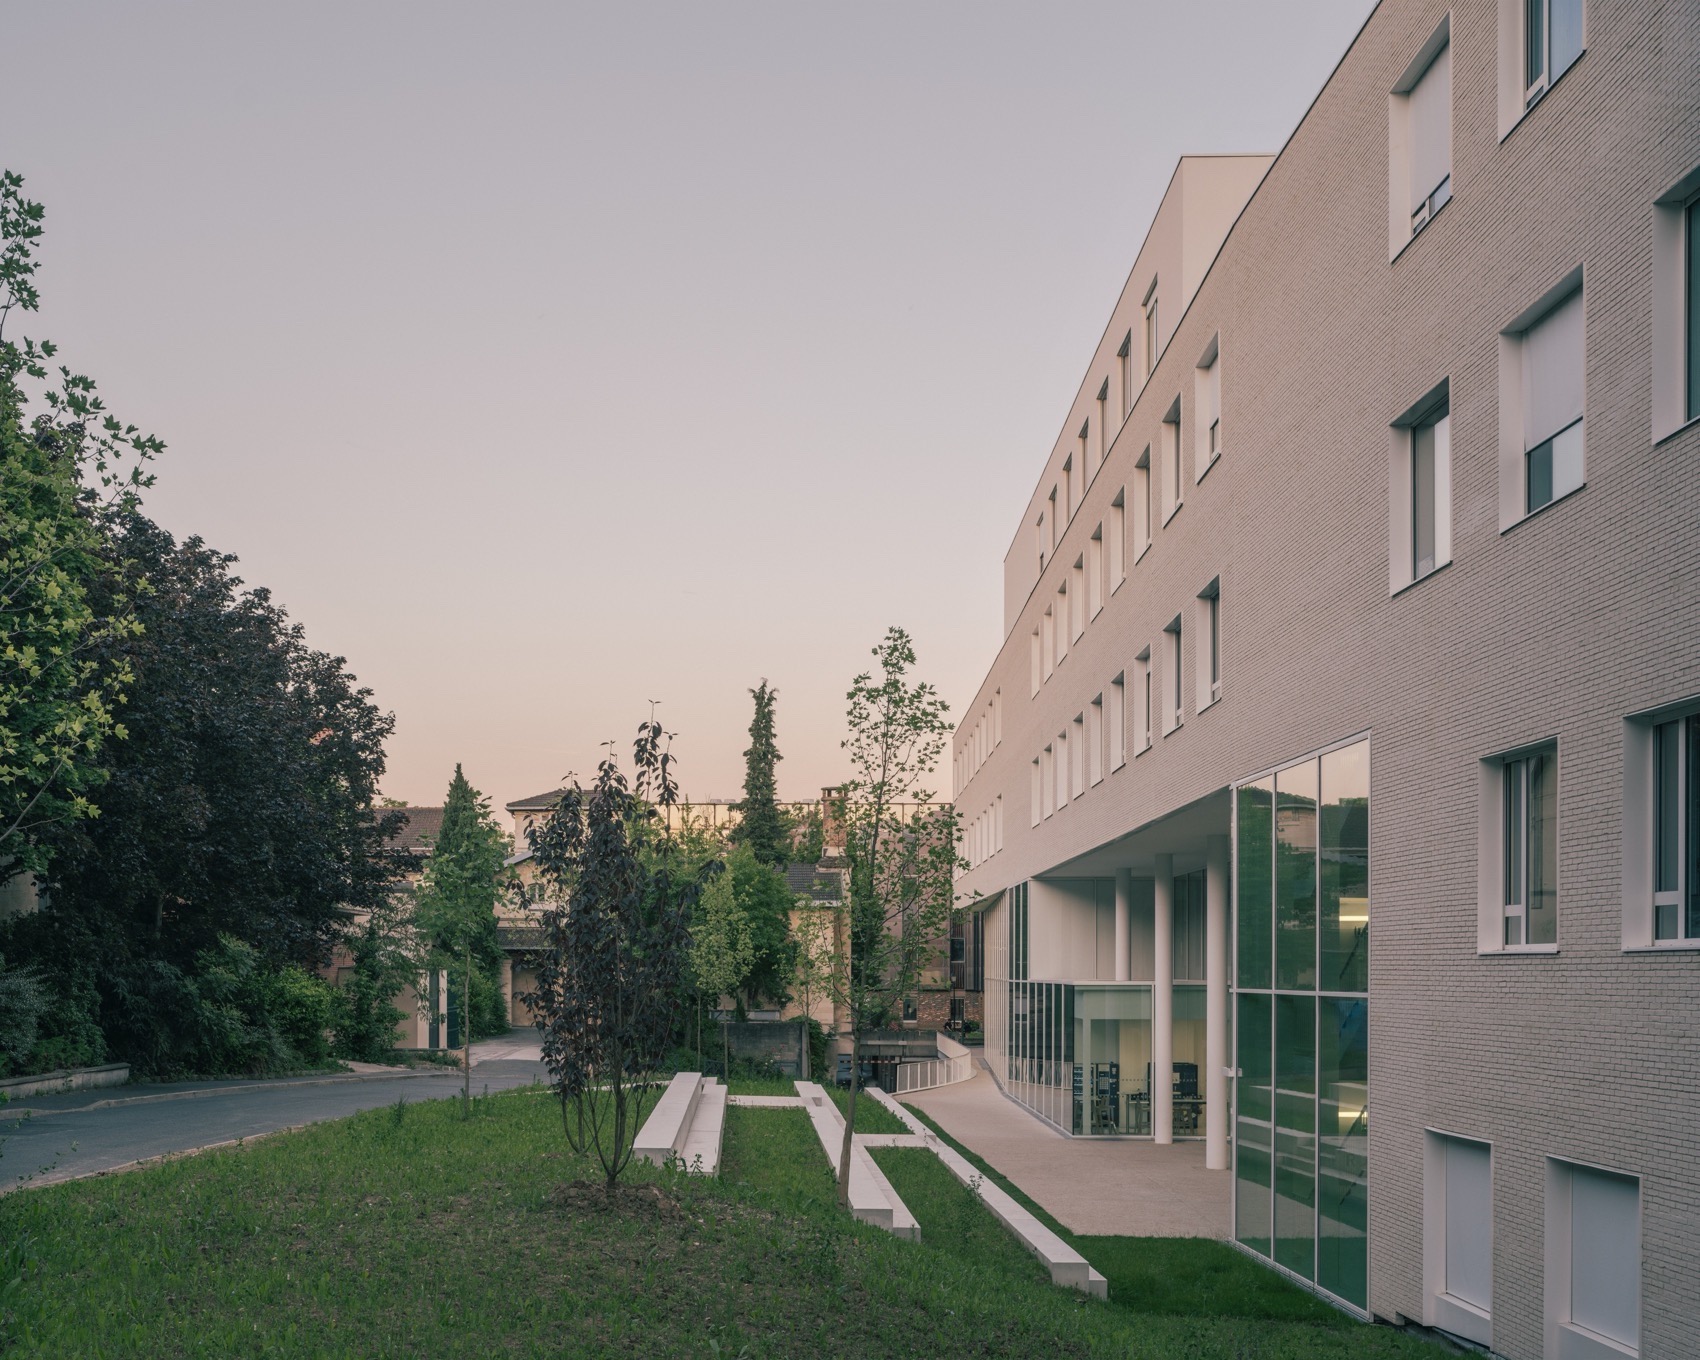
[(901, 851)]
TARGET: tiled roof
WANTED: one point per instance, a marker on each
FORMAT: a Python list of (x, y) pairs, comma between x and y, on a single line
[(538, 801), (810, 879), (420, 827)]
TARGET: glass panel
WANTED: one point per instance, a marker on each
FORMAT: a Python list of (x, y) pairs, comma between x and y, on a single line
[(1516, 822), (1342, 1191), (1667, 779), (1295, 1134), (1566, 18), (1566, 460), (1693, 779), (1540, 476), (1422, 499), (1543, 849), (1534, 41), (1252, 1130), (1344, 868), (1112, 1052), (1693, 216), (1188, 1057), (1254, 855), (1295, 876)]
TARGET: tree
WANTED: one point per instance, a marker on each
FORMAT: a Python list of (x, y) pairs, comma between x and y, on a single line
[(721, 950), (763, 827), (765, 902), (611, 972), (387, 956), (65, 465), (814, 935), (240, 806), (456, 902), (902, 860)]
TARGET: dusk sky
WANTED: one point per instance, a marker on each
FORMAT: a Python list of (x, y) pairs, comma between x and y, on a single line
[(547, 360)]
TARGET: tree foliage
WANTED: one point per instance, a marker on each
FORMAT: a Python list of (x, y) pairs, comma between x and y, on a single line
[(763, 826), (66, 464), (765, 903), (611, 972), (900, 848), (239, 808)]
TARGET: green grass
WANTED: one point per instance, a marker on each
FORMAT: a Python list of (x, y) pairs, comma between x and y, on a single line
[(871, 1116), (418, 1234)]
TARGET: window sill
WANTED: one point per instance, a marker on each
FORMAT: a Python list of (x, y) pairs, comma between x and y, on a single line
[(1428, 575), (1143, 749), (1174, 510), (1097, 610), (1118, 765), (1212, 463), (1412, 238), (1175, 727), (1664, 947), (1675, 430), (1541, 98), (1513, 949), (1119, 584), (1139, 556), (1556, 500), (1207, 706)]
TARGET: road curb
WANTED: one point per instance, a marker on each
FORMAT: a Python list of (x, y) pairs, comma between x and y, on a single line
[(284, 1084)]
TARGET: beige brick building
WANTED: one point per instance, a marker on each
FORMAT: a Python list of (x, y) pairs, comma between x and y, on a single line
[(1362, 588)]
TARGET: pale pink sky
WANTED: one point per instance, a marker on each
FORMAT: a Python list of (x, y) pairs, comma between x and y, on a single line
[(545, 360)]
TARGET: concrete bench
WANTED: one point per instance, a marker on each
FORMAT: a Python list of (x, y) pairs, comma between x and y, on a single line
[(1067, 1266), (705, 1137), (872, 1198), (664, 1133)]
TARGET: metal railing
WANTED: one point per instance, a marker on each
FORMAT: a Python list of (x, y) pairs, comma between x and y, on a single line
[(954, 1063)]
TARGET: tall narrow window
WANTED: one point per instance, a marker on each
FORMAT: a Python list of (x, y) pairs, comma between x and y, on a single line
[(997, 717), (1118, 541), (1208, 403), (1062, 622), (1084, 460), (1172, 679), (1151, 329), (1070, 498), (1048, 639), (1049, 781), (1103, 421), (1062, 769), (1210, 664), (1040, 543), (1077, 755), (1052, 529), (1142, 670), (1430, 440), (1676, 830), (1552, 377), (1095, 572), (1118, 723), (1430, 113), (1077, 593), (1142, 504), (1035, 651), (1095, 739), (1036, 792), (1172, 493), (1691, 222), (1552, 39), (1125, 354), (1530, 840), (1592, 1294)]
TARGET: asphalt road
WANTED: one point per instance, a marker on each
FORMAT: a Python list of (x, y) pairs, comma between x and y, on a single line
[(44, 1139)]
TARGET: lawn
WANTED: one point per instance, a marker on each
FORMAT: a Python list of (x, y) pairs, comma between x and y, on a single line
[(409, 1232)]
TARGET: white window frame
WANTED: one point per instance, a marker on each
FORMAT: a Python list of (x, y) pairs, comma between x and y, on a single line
[(1049, 780), (1676, 328), (1103, 449), (1035, 658), (1406, 218), (1077, 600), (1062, 620), (1061, 793), (1077, 755), (1174, 479), (1513, 448), (1095, 573), (1142, 504), (1494, 826), (1641, 767), (1145, 700), (1117, 565), (1070, 500), (1048, 640), (1095, 739), (1432, 409), (1565, 1338), (1207, 410), (1174, 676), (1208, 681), (1036, 791), (1125, 355), (1153, 336), (1441, 1308), (1118, 721)]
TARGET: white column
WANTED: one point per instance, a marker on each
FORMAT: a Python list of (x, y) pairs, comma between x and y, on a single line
[(1216, 1022), (1124, 910), (1163, 1004)]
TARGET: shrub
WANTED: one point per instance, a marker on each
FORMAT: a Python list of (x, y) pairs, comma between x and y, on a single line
[(300, 1007), (23, 1001)]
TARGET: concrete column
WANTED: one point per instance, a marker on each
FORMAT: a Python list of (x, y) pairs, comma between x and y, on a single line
[(1216, 1020), (1163, 1004), (1124, 934)]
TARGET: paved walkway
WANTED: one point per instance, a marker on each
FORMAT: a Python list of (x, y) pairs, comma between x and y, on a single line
[(1101, 1186)]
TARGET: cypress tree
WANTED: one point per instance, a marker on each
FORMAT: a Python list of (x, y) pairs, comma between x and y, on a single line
[(763, 827)]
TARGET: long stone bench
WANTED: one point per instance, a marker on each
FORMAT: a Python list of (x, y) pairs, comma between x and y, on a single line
[(688, 1123), (872, 1198), (1067, 1266)]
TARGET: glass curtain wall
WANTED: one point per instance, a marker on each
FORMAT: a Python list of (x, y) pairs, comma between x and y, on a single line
[(1301, 858)]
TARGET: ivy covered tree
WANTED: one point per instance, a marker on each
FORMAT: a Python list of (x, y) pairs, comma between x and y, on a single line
[(763, 826), (240, 807), (900, 848), (456, 901), (66, 465), (611, 972)]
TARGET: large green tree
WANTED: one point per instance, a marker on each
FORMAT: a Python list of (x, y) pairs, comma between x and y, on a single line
[(765, 902), (457, 900), (240, 807), (66, 465), (763, 826)]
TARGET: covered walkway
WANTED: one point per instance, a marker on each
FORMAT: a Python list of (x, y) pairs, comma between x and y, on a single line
[(1099, 1186)]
